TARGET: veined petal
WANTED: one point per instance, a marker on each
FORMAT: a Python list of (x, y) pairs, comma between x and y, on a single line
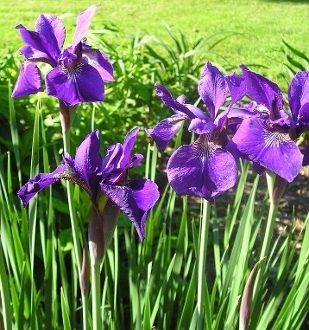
[(296, 92), (165, 130), (260, 89), (83, 22), (28, 81), (201, 169), (270, 148), (166, 97), (38, 42), (299, 100), (111, 163), (34, 55), (88, 161), (39, 182), (128, 145), (135, 200), (52, 28), (212, 89), (101, 62), (236, 86), (81, 84)]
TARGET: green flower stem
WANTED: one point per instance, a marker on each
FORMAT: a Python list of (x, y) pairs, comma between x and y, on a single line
[(70, 194), (271, 219), (204, 227), (95, 293)]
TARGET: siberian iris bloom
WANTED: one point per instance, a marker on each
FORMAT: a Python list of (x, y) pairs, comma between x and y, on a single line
[(77, 73), (204, 168), (266, 136), (107, 184)]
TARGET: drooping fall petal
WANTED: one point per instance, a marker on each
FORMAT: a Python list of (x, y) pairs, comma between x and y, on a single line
[(268, 147), (39, 182), (28, 81), (82, 84), (135, 200), (201, 169)]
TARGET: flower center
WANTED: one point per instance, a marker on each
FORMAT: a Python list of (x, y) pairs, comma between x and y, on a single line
[(273, 136), (204, 146)]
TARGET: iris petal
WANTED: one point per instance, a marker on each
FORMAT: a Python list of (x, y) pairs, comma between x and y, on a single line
[(53, 30), (212, 89), (271, 149), (166, 97), (82, 84), (38, 42), (128, 145), (83, 22), (88, 161), (165, 130), (28, 81), (39, 182), (196, 171), (135, 200), (260, 89), (236, 86), (201, 126), (295, 92), (101, 62)]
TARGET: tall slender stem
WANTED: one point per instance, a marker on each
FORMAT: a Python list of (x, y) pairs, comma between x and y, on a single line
[(204, 227), (66, 119), (95, 293), (267, 236)]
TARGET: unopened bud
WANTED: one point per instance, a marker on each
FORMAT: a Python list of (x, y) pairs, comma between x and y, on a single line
[(101, 228), (278, 189), (84, 274)]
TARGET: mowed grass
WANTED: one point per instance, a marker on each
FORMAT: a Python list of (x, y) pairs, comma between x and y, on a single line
[(258, 25)]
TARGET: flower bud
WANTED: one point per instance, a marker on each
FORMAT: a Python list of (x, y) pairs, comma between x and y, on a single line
[(84, 274), (278, 189), (101, 228)]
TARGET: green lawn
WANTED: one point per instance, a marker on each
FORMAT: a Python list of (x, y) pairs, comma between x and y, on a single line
[(260, 24)]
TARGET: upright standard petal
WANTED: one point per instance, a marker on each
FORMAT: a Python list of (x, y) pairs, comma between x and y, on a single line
[(52, 28), (82, 83), (38, 42), (212, 89), (39, 182), (83, 22), (201, 169), (88, 162), (236, 87), (135, 200), (128, 145), (299, 101), (260, 89), (296, 92), (28, 81)]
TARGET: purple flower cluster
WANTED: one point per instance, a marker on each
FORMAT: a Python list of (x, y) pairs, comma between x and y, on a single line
[(78, 72), (260, 131), (103, 177)]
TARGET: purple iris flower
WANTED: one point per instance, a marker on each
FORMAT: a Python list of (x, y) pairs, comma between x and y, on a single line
[(266, 136), (105, 180), (78, 72), (204, 168)]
